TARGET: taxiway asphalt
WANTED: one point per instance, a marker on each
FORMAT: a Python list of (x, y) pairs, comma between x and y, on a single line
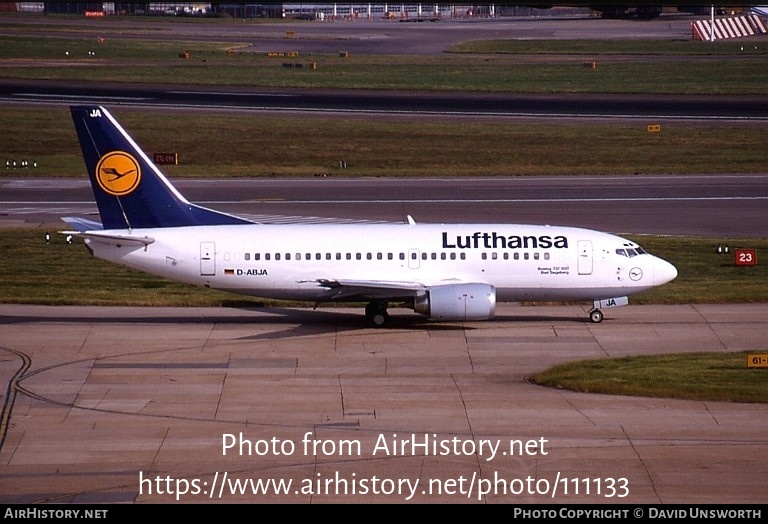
[(139, 405)]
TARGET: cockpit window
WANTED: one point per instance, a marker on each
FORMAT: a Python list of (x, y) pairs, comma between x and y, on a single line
[(631, 252)]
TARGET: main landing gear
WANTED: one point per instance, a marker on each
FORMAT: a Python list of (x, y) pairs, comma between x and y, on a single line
[(595, 316), (376, 313)]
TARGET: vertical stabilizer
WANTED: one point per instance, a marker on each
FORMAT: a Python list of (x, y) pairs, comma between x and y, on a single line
[(130, 190)]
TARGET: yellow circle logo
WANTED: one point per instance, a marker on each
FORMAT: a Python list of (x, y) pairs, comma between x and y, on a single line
[(118, 173)]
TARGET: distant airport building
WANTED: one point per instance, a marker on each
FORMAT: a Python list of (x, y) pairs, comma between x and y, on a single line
[(390, 10), (297, 10), (348, 11), (117, 8)]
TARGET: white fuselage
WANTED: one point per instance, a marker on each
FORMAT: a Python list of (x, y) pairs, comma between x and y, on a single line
[(297, 261)]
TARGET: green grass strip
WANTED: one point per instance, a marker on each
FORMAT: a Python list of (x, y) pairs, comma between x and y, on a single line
[(261, 145), (723, 377)]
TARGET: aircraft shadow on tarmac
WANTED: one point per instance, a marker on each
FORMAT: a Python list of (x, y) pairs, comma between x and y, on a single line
[(309, 321)]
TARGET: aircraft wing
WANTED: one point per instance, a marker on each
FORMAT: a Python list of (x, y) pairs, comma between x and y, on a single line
[(341, 289), (351, 290)]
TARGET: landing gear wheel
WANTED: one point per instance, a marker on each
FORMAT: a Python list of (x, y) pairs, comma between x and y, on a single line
[(596, 316), (376, 313), (381, 318)]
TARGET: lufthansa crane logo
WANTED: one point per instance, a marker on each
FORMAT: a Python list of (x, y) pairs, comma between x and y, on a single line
[(118, 173)]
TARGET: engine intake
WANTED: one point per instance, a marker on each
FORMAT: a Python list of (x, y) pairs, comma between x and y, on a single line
[(457, 302)]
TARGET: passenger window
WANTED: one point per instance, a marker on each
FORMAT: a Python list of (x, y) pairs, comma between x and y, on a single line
[(257, 256), (266, 256)]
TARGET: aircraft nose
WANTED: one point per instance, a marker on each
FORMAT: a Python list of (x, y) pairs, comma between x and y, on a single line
[(663, 272)]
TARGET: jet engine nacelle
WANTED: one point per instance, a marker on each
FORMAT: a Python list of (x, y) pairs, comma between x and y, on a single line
[(457, 302)]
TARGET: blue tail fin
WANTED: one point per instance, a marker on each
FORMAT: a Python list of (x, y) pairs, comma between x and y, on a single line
[(130, 190)]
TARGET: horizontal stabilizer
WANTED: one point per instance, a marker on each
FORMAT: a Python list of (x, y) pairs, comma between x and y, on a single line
[(83, 224), (111, 238)]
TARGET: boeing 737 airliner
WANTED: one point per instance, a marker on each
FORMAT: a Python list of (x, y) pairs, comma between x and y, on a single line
[(448, 272)]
